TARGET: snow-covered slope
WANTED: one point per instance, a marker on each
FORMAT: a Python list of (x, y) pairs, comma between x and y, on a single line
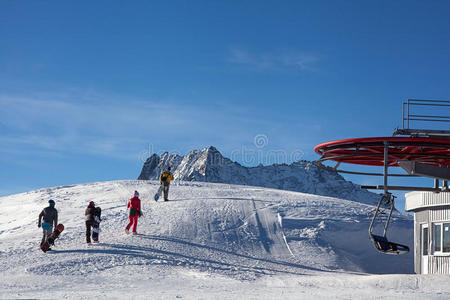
[(207, 234), (209, 165)]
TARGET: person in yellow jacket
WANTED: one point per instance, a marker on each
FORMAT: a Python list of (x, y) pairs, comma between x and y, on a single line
[(165, 179)]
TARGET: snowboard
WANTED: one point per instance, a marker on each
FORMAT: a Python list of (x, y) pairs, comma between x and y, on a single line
[(158, 193), (51, 239)]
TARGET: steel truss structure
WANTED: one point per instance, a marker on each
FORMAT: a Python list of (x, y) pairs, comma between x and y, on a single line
[(420, 152)]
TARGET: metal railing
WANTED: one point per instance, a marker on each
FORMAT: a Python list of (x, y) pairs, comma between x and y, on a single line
[(408, 116)]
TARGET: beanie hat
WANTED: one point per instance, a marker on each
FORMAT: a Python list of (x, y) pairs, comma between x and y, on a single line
[(51, 202), (136, 193), (91, 203)]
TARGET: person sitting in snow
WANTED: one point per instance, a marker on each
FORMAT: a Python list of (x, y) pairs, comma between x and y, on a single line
[(50, 217), (165, 179), (92, 217), (134, 212)]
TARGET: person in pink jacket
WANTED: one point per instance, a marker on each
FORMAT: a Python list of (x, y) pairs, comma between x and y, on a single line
[(134, 212)]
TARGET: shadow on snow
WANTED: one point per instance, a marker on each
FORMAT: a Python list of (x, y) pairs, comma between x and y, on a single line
[(166, 257)]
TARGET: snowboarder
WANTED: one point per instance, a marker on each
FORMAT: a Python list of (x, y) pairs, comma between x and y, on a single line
[(93, 219), (134, 212), (50, 217), (165, 179)]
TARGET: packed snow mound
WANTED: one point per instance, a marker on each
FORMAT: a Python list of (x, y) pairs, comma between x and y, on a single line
[(240, 232), (209, 165)]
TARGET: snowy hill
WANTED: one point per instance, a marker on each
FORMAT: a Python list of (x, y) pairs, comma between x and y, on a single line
[(210, 239), (209, 165)]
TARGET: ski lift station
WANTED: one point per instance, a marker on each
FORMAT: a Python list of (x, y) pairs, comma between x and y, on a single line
[(420, 153), (431, 231), (431, 208)]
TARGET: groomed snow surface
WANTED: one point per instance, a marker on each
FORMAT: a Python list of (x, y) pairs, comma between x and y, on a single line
[(210, 241)]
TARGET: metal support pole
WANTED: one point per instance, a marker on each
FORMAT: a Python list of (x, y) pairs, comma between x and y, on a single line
[(403, 115), (336, 166), (377, 211), (407, 117), (436, 183), (386, 163), (390, 214), (387, 195)]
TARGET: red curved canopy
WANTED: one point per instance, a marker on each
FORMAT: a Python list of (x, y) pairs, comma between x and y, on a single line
[(370, 151)]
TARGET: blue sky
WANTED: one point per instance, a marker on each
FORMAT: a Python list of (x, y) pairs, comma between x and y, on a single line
[(89, 88)]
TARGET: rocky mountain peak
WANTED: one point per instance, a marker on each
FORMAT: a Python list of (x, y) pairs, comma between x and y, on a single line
[(209, 165)]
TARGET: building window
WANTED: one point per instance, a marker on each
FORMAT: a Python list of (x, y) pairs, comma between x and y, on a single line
[(446, 237), (437, 237), (441, 238)]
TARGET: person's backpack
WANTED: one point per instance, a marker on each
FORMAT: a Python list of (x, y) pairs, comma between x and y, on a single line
[(164, 176)]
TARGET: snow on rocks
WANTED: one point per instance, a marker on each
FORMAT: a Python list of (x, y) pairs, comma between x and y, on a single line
[(209, 165)]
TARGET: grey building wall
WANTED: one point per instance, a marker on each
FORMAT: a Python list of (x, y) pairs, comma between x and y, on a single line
[(437, 264)]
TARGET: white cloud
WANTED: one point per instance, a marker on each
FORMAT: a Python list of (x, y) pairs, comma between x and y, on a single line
[(111, 126), (115, 127), (277, 60)]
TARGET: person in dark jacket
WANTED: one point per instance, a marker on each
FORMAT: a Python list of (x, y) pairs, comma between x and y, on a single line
[(49, 216), (134, 212), (90, 221)]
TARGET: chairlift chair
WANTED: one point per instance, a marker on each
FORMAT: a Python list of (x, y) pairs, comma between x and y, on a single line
[(381, 243)]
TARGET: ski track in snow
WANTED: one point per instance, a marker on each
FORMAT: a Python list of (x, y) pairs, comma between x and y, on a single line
[(210, 240)]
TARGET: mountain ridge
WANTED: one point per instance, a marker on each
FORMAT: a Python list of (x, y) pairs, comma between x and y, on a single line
[(209, 165)]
